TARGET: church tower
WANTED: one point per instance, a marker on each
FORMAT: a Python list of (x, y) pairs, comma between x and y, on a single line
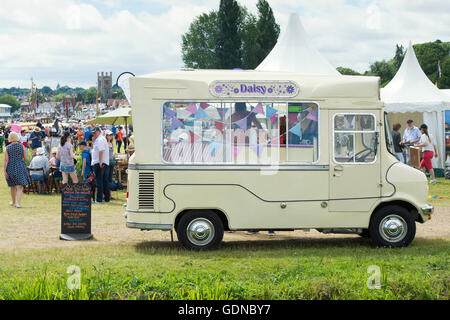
[(105, 84)]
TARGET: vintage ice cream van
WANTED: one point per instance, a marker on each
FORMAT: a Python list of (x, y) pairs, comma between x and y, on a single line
[(249, 150)]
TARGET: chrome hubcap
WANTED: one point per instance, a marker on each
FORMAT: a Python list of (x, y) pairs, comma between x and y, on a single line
[(393, 228), (200, 231)]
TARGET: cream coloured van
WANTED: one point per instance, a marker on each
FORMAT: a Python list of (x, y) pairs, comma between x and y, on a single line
[(248, 150)]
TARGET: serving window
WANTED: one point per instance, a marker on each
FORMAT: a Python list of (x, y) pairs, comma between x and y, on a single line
[(355, 138), (240, 132)]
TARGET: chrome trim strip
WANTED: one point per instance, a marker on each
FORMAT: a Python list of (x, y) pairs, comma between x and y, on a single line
[(149, 226), (164, 167)]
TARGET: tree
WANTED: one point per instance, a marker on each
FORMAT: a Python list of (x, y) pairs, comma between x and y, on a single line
[(347, 71), (59, 97), (91, 95), (398, 58), (199, 43), (428, 55), (229, 43), (383, 69), (47, 91), (250, 48), (10, 100), (268, 29), (207, 44)]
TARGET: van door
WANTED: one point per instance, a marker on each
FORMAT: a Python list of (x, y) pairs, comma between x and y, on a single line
[(354, 161)]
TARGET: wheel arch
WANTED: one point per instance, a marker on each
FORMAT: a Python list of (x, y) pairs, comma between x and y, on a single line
[(218, 212), (401, 203)]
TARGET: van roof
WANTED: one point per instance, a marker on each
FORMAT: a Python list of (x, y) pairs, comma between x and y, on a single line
[(311, 86)]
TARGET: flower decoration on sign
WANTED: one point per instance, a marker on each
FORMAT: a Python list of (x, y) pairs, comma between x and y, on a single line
[(219, 89), (290, 89)]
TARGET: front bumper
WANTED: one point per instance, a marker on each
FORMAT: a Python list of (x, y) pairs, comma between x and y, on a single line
[(427, 210)]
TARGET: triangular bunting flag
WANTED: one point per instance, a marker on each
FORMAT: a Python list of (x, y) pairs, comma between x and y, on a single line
[(192, 108), (297, 130), (204, 105), (274, 118), (222, 112), (292, 117), (193, 137), (242, 123), (259, 109), (312, 115), (169, 114), (202, 115), (176, 124), (220, 125), (270, 112)]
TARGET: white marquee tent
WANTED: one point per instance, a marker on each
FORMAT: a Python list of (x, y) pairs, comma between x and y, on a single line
[(412, 94), (295, 53)]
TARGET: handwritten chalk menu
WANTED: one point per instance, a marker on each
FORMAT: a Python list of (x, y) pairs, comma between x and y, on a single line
[(76, 212)]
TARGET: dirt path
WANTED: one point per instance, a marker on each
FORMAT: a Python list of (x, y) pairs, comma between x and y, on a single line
[(31, 227)]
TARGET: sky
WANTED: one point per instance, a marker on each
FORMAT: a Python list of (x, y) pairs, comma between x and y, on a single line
[(68, 41)]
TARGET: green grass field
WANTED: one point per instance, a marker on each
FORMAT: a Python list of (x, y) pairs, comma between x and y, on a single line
[(34, 263)]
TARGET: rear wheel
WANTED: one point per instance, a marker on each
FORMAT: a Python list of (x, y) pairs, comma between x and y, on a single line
[(392, 226), (200, 230)]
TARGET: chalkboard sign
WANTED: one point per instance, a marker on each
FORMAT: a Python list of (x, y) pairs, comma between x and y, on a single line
[(76, 212)]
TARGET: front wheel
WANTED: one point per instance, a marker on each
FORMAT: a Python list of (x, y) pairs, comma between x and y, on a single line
[(392, 226), (200, 230)]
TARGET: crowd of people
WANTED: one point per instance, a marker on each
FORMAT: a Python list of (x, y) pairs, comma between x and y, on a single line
[(52, 154), (419, 138)]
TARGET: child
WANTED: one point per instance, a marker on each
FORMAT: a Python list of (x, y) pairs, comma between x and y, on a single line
[(88, 173)]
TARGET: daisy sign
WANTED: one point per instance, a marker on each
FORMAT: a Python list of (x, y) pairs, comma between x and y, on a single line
[(254, 89)]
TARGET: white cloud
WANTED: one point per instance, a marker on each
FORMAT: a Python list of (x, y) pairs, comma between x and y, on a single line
[(68, 41)]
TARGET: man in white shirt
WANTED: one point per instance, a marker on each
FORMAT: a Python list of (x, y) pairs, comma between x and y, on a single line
[(410, 136), (100, 162)]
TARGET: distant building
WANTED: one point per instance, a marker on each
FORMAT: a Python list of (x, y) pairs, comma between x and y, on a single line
[(5, 112), (105, 84)]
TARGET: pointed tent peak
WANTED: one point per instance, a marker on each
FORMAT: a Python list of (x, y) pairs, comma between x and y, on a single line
[(411, 84), (295, 53)]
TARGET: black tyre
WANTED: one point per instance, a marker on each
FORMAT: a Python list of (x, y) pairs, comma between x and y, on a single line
[(392, 226), (201, 230), (365, 233)]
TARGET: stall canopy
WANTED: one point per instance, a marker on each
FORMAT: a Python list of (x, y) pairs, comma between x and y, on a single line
[(411, 91), (295, 53), (120, 116)]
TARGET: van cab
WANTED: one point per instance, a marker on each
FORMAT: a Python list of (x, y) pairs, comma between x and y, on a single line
[(224, 150)]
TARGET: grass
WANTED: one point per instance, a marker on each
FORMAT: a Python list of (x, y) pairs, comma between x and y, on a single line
[(319, 269), (314, 268)]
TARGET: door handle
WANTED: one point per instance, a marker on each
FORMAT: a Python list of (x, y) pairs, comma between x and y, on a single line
[(338, 171)]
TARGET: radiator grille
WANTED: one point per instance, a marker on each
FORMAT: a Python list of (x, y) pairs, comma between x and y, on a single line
[(147, 190)]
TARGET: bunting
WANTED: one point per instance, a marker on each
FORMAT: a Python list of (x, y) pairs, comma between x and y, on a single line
[(270, 112), (259, 109), (297, 130), (204, 105), (202, 115), (192, 108), (242, 123), (168, 113), (176, 124)]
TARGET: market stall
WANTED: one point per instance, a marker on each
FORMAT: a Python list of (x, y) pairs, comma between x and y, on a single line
[(411, 95)]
